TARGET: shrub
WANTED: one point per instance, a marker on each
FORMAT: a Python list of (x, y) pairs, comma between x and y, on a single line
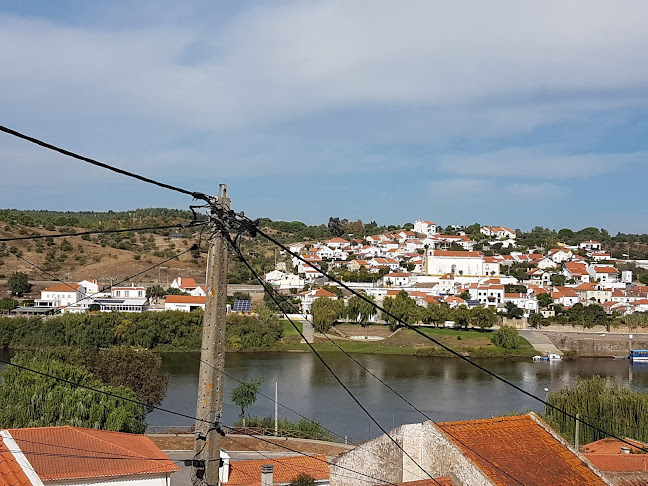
[(506, 337)]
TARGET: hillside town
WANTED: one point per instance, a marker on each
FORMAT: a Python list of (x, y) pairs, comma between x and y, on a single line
[(429, 266)]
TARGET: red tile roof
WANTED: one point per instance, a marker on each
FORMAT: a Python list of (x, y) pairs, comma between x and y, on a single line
[(188, 283), (44, 446), (610, 446), (184, 299), (11, 474), (62, 287), (605, 270), (520, 447), (619, 462), (248, 473)]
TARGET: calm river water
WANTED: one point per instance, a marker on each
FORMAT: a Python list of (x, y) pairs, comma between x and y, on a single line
[(446, 389)]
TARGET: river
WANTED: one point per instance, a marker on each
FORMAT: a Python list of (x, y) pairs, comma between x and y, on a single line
[(446, 389)]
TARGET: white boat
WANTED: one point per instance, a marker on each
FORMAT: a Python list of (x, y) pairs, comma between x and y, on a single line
[(639, 355), (537, 358), (554, 357)]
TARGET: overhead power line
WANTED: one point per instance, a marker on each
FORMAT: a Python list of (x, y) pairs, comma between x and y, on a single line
[(326, 365), (196, 195), (103, 392), (430, 338), (102, 232), (268, 288)]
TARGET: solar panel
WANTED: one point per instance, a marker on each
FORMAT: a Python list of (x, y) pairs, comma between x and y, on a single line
[(242, 306)]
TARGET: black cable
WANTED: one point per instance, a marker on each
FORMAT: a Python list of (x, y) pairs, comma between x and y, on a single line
[(101, 232), (285, 465), (326, 365), (196, 195), (269, 289), (321, 460), (430, 338), (103, 392)]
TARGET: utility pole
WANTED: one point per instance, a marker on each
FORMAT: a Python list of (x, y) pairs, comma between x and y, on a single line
[(210, 384), (576, 432), (276, 424)]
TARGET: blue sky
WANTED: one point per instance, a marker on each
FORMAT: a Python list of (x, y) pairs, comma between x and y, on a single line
[(504, 112)]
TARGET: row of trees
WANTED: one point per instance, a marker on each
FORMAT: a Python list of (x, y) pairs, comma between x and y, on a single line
[(605, 405), (151, 330), (327, 311)]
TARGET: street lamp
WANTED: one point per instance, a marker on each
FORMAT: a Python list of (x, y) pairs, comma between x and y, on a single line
[(546, 390)]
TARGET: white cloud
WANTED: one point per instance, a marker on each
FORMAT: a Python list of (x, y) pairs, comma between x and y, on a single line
[(538, 163), (294, 59)]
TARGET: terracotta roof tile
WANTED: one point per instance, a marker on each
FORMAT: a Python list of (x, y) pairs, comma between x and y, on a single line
[(523, 449), (188, 283), (442, 481), (39, 445), (62, 287), (248, 473), (619, 462), (11, 474)]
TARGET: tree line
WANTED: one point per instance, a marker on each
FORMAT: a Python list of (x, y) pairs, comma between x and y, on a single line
[(159, 331)]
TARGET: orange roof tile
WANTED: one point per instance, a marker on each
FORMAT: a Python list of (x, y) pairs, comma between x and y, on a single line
[(464, 254), (44, 446), (610, 446), (519, 447), (62, 287), (248, 473), (184, 299), (11, 474), (188, 283), (619, 462)]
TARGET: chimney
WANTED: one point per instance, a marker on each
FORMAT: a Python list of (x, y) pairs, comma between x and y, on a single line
[(267, 473), (625, 450)]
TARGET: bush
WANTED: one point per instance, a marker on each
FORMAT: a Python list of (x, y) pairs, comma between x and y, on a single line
[(506, 337)]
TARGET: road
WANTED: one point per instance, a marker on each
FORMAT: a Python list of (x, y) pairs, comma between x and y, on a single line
[(539, 341)]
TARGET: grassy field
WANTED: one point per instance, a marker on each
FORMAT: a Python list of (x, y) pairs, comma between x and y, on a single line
[(289, 330), (407, 342)]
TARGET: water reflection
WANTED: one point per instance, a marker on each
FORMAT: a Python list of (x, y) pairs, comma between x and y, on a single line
[(446, 389)]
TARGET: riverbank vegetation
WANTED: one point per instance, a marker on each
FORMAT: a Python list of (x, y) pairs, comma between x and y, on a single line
[(605, 405), (302, 429), (34, 400)]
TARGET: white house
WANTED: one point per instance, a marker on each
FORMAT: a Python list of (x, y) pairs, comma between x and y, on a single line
[(577, 271), (392, 263), (61, 295), (185, 303), (283, 281), (337, 243), (397, 279), (498, 232), (309, 296), (546, 263), (590, 245), (45, 455), (604, 273), (524, 301), (458, 263), (425, 227), (565, 296), (131, 292), (599, 256), (92, 287), (560, 255), (184, 284)]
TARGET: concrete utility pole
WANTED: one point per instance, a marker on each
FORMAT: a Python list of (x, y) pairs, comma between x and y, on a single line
[(210, 384)]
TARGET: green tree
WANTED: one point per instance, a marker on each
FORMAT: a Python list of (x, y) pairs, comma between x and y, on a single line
[(545, 300), (33, 400), (7, 304), (483, 317), (643, 278), (66, 245), (465, 295), (19, 284), (403, 308), (140, 370), (155, 291), (506, 337), (335, 227), (536, 320), (513, 311), (303, 480), (558, 280), (266, 316), (461, 316), (434, 314), (325, 312), (245, 395)]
